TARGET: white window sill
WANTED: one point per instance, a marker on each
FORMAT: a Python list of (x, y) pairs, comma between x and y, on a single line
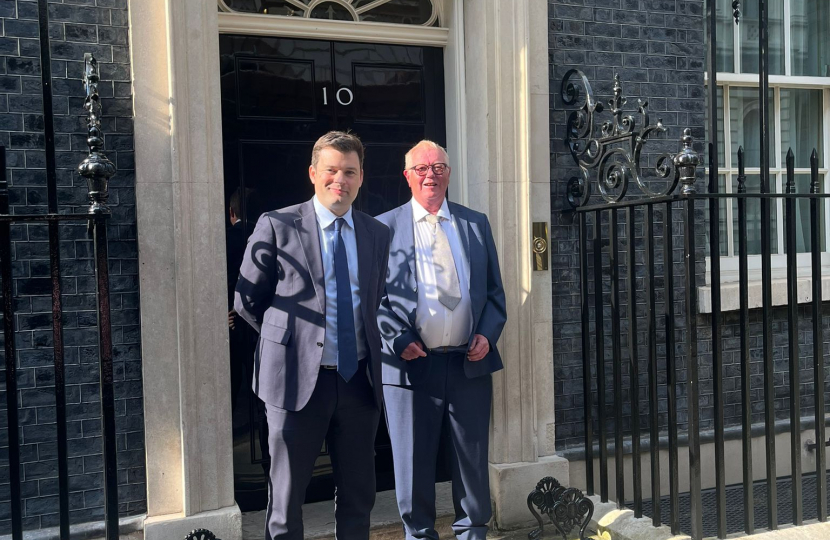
[(731, 299)]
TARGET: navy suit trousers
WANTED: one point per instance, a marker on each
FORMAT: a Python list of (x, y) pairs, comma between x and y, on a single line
[(417, 416), (346, 417)]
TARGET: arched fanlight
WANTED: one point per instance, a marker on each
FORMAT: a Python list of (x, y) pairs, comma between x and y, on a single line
[(415, 12)]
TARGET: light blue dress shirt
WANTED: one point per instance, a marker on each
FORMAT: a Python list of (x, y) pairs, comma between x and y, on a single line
[(325, 223)]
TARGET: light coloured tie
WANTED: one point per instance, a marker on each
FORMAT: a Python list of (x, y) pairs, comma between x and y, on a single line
[(446, 278)]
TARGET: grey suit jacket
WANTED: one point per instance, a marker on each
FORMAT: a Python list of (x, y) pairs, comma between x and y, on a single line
[(281, 293), (396, 316)]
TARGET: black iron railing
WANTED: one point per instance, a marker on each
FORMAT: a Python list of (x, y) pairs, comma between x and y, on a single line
[(97, 170), (602, 343), (609, 158), (653, 222)]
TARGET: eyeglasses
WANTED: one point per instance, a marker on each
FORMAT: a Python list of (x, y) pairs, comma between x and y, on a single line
[(437, 168)]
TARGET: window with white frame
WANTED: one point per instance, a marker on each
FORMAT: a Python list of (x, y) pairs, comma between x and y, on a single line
[(799, 107)]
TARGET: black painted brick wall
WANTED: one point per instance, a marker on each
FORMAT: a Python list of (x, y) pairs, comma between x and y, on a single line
[(657, 48), (76, 27)]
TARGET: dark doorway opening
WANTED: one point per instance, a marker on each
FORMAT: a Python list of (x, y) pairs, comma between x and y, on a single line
[(278, 96)]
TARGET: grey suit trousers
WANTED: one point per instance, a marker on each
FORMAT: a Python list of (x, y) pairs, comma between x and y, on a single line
[(446, 402), (346, 417)]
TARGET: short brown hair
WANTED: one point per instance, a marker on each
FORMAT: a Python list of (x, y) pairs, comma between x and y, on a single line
[(342, 141)]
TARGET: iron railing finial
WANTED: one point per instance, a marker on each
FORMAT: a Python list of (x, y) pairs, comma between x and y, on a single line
[(686, 162), (96, 167)]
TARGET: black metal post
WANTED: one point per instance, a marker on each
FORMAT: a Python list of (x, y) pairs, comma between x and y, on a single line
[(11, 355), (55, 270), (717, 343), (818, 341), (653, 407), (600, 351), (714, 235), (586, 353), (766, 270), (671, 372), (60, 380), (106, 374), (48, 131), (54, 267), (613, 262), (634, 369), (792, 315), (97, 170), (692, 374), (746, 371)]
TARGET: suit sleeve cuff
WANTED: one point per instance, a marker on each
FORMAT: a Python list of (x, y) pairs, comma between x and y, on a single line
[(402, 341)]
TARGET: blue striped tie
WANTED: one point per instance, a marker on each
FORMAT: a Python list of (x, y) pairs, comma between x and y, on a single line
[(346, 338)]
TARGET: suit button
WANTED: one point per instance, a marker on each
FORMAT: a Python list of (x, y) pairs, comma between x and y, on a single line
[(319, 343)]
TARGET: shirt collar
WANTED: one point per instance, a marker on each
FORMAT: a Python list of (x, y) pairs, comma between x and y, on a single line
[(419, 212), (326, 217)]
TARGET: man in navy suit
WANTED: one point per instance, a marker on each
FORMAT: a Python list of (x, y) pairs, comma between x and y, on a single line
[(310, 284), (440, 319)]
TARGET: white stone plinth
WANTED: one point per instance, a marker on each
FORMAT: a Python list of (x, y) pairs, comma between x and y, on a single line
[(511, 483), (225, 523)]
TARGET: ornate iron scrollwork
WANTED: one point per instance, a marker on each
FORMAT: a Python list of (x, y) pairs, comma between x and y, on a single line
[(615, 148), (200, 534), (96, 167), (567, 508)]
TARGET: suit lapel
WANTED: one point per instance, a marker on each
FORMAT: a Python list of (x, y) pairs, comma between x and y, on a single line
[(365, 239), (306, 226), (405, 236)]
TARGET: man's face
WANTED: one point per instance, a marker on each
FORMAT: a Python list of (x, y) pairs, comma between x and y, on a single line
[(337, 177), (430, 189)]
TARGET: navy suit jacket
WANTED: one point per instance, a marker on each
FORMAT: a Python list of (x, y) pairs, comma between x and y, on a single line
[(282, 294), (396, 316)]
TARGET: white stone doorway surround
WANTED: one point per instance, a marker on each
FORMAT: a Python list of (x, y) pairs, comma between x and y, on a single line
[(496, 64)]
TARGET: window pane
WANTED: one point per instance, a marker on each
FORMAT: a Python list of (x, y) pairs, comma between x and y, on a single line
[(750, 29), (723, 240), (745, 125), (271, 7), (753, 217), (397, 11), (721, 139), (331, 11), (810, 36), (801, 125), (803, 225), (725, 37)]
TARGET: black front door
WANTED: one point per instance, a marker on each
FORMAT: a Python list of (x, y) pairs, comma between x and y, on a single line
[(279, 96)]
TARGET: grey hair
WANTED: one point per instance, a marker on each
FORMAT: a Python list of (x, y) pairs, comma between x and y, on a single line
[(424, 144)]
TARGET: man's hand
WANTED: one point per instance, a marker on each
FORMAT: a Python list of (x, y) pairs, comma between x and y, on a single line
[(232, 320), (413, 350), (478, 348)]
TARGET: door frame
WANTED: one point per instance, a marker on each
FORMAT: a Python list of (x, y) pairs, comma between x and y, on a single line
[(498, 52), (449, 36)]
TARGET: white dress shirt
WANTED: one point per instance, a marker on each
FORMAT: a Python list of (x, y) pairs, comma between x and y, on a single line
[(325, 222), (437, 325)]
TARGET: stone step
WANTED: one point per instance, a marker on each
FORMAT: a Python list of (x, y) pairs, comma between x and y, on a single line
[(318, 518), (394, 531)]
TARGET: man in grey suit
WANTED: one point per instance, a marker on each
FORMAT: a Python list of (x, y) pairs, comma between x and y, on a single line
[(310, 284), (440, 319)]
